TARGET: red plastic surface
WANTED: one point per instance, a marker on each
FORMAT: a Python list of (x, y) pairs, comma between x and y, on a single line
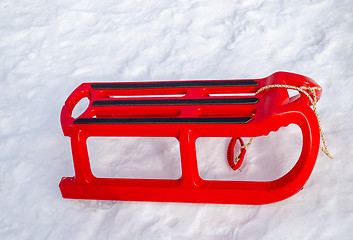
[(273, 110)]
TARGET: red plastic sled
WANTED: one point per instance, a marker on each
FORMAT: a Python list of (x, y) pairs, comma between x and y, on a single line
[(188, 110)]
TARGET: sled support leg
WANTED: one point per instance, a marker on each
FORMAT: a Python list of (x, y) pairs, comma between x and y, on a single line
[(190, 174)]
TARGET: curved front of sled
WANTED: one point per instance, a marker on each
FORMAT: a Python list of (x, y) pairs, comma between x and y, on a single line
[(253, 192)]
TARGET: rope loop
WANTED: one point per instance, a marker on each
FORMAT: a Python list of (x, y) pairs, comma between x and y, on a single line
[(313, 100), (235, 163)]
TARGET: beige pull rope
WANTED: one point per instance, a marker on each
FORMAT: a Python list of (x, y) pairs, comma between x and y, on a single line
[(313, 101)]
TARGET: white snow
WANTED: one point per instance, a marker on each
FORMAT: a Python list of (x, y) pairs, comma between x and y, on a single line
[(48, 48)]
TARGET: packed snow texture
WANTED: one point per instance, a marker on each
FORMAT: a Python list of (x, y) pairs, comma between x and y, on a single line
[(48, 48)]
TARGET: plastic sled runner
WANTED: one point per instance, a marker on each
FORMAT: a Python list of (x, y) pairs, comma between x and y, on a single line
[(187, 110)]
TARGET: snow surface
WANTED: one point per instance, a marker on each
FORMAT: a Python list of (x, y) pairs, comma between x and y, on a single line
[(48, 48)]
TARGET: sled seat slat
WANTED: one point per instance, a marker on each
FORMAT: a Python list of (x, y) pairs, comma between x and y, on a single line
[(206, 101), (232, 120), (180, 84)]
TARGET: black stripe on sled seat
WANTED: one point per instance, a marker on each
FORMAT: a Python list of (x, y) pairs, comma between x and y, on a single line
[(179, 84), (206, 101), (223, 120)]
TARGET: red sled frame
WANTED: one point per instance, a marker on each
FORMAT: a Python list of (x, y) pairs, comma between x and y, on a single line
[(196, 112)]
